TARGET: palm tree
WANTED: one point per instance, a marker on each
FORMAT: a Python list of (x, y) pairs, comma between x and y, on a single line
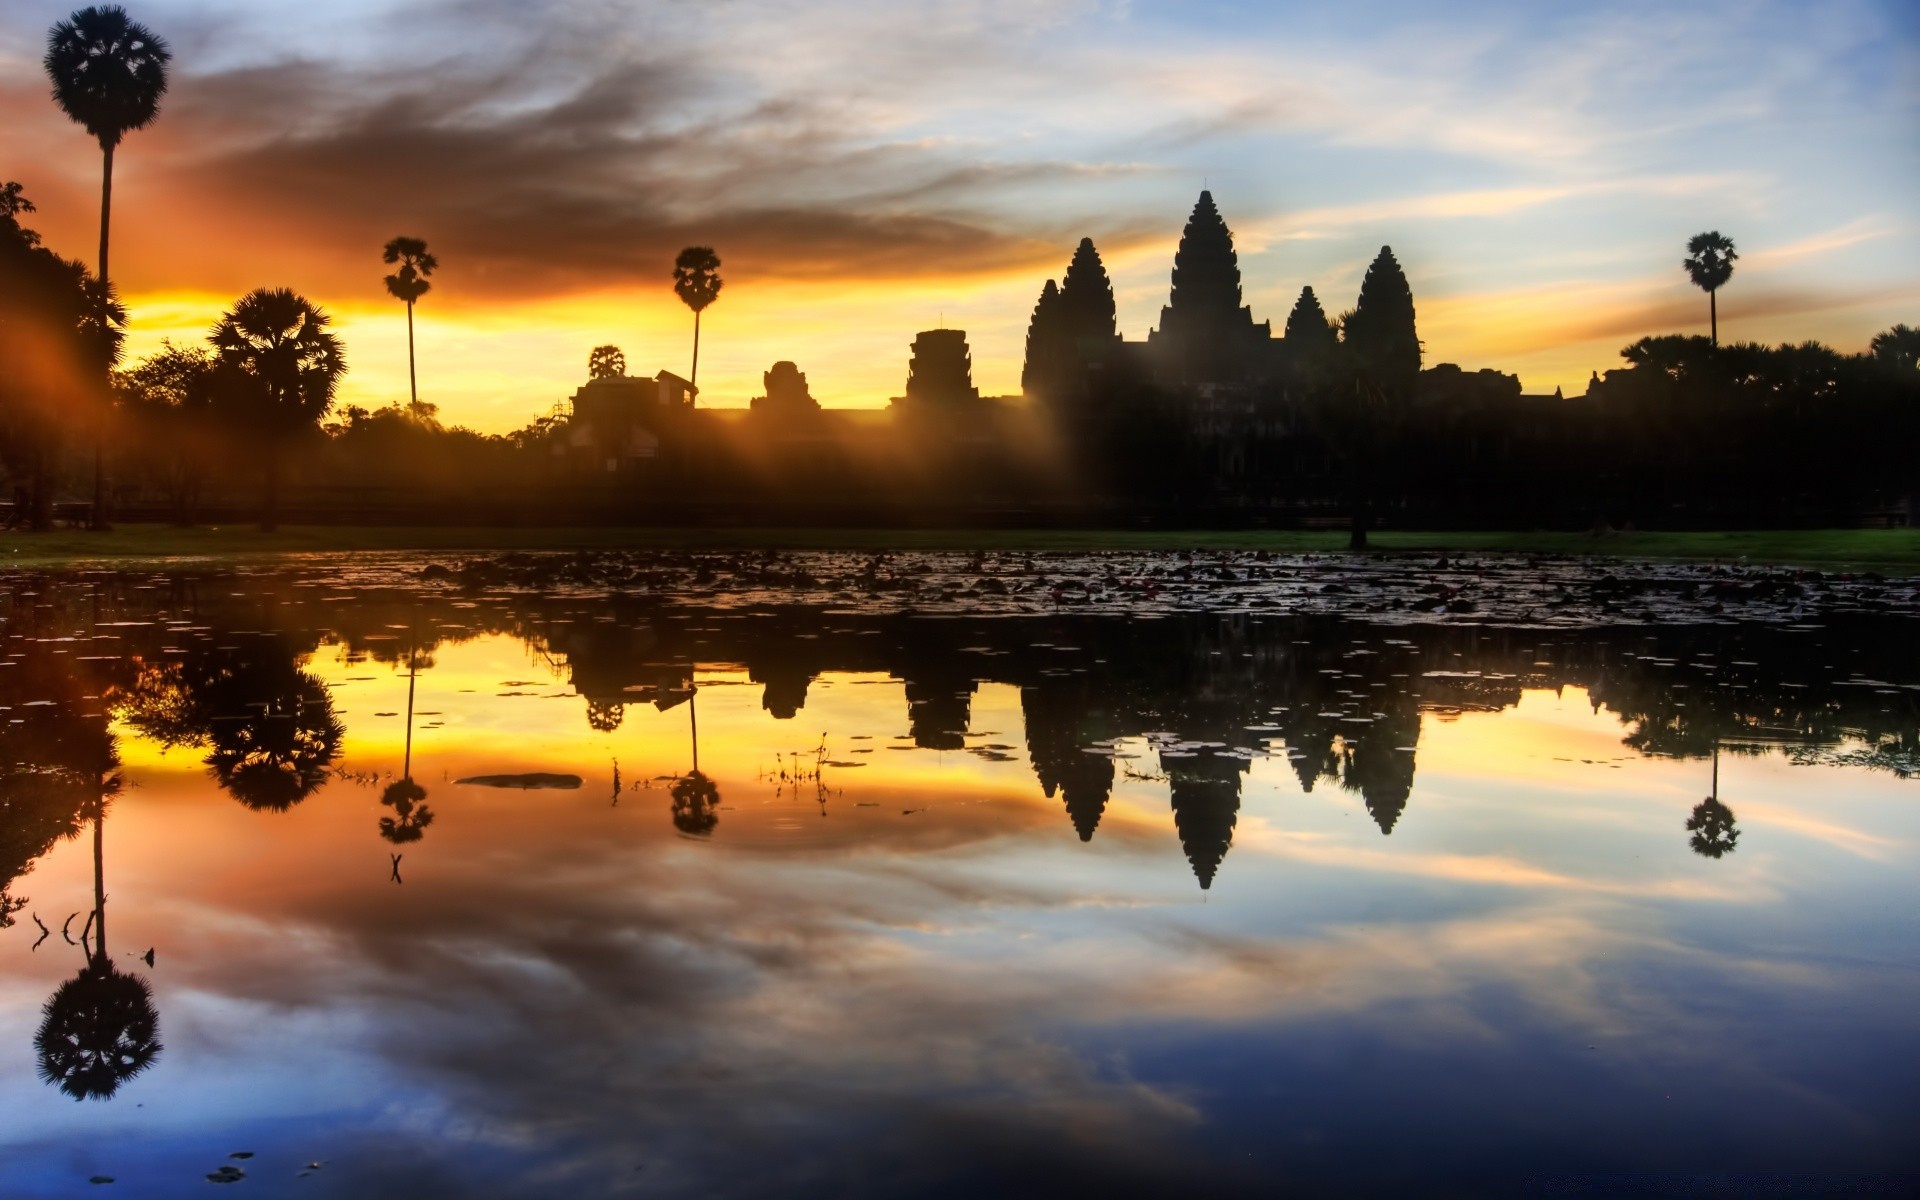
[(108, 74), (1898, 347), (696, 798), (606, 362), (100, 1028), (409, 283), (1715, 835), (1709, 263), (281, 367), (406, 798), (696, 280)]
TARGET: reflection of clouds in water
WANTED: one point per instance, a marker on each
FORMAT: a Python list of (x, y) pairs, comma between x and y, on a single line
[(704, 1017), (708, 1014)]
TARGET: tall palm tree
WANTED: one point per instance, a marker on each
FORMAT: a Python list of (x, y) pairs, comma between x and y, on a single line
[(696, 798), (406, 798), (108, 74), (100, 1028), (1715, 835), (280, 368), (1709, 263), (696, 280), (409, 283)]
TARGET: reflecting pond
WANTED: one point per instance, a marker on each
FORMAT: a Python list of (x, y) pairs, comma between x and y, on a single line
[(469, 883)]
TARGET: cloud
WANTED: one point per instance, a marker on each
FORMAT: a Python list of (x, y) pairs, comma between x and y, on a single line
[(551, 169)]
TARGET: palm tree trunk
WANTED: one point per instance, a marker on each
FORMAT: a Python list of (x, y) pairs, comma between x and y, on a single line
[(413, 669), (694, 379), (98, 519), (693, 723), (99, 883), (270, 507), (413, 385), (1362, 518), (1713, 315)]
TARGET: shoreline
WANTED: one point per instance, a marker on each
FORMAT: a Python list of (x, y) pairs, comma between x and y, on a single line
[(1886, 550)]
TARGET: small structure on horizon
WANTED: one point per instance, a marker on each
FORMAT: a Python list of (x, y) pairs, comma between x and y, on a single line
[(787, 396), (940, 374), (615, 420)]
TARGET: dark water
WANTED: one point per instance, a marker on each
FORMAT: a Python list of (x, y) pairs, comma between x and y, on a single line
[(1149, 899)]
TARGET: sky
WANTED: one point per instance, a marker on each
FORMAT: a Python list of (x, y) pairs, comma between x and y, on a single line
[(868, 171)]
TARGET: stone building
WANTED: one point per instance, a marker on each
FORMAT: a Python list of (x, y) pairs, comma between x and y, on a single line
[(1206, 336), (940, 373), (615, 421)]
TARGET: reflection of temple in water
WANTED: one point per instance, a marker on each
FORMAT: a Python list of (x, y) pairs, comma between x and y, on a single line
[(1342, 703), (613, 665)]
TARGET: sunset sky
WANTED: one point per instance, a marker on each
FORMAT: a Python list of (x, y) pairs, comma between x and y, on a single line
[(866, 171)]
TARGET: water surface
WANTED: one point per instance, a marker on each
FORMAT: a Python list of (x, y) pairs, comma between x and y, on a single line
[(847, 894)]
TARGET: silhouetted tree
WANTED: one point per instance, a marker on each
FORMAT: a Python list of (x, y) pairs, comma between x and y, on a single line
[(280, 369), (604, 715), (97, 1031), (1898, 347), (108, 74), (606, 362), (411, 816), (407, 799), (100, 1028), (696, 804), (13, 201), (269, 727), (60, 334), (1709, 263), (696, 280), (275, 750), (167, 400), (408, 284), (59, 761), (1713, 830)]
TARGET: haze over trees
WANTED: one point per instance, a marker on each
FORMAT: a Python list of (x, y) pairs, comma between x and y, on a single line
[(60, 333)]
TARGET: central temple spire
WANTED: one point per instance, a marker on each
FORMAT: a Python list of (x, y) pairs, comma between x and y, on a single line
[(1206, 335), (1206, 271)]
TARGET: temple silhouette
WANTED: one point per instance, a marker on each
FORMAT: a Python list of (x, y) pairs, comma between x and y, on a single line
[(1209, 378)]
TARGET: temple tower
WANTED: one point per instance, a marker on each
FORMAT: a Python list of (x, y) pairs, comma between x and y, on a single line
[(1206, 335), (940, 373)]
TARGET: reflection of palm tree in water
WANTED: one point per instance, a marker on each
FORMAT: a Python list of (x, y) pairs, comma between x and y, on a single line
[(1712, 827), (696, 799), (100, 1028), (407, 799), (604, 716), (277, 752)]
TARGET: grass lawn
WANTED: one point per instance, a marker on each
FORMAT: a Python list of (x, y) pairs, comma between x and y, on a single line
[(1886, 550)]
